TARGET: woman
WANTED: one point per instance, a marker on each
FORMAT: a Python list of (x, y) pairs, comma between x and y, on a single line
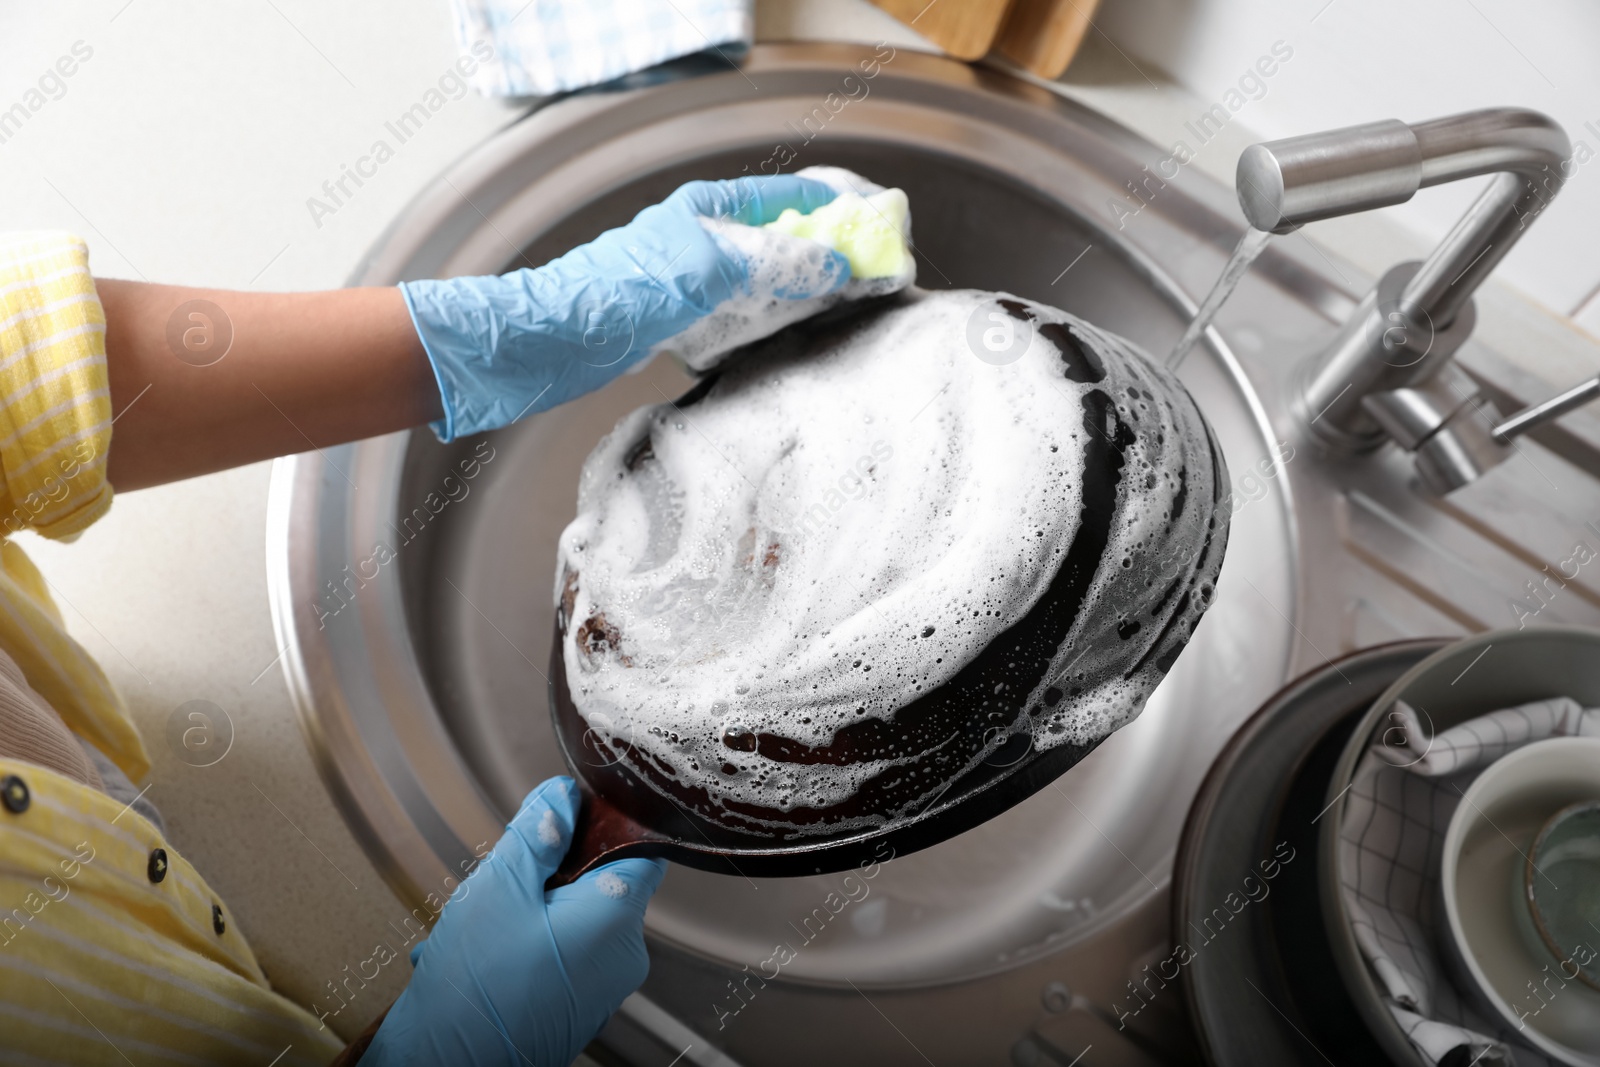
[(112, 947)]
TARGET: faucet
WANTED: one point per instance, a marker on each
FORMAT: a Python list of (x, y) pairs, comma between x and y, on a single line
[(1388, 375)]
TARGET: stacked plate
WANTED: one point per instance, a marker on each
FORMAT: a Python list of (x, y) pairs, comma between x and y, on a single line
[(1265, 919)]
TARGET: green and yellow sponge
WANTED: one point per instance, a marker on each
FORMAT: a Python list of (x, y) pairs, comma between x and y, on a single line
[(869, 231)]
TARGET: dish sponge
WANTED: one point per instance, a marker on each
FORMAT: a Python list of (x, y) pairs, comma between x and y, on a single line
[(868, 225), (869, 230)]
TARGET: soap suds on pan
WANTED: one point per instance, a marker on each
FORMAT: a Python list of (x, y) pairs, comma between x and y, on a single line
[(789, 598)]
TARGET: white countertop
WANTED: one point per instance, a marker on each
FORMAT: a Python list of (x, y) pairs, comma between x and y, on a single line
[(184, 151)]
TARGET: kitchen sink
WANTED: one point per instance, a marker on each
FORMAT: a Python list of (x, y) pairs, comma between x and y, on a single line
[(412, 581)]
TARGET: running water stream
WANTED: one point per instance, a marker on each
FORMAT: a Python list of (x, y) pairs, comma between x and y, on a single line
[(1245, 252)]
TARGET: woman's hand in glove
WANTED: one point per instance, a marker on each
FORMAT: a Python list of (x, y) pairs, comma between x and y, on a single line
[(514, 975), (503, 347)]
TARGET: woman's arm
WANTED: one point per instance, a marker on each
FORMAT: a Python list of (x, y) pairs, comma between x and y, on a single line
[(301, 370), (205, 379)]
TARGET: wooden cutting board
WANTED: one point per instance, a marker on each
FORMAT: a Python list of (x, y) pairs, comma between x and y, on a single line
[(1044, 35), (965, 29)]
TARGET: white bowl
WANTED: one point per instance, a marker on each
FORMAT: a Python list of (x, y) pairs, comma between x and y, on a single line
[(1485, 849)]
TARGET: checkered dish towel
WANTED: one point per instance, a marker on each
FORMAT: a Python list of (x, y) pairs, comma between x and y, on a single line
[(1390, 845), (550, 46)]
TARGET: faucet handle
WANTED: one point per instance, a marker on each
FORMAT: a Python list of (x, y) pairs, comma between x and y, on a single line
[(1554, 408), (1457, 433)]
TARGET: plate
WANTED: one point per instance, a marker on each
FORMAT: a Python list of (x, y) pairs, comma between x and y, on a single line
[(1258, 973)]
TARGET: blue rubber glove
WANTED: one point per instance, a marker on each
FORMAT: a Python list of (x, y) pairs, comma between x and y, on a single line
[(505, 347), (514, 975)]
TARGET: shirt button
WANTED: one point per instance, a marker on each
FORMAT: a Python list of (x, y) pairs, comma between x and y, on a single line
[(216, 919), (157, 868), (14, 794)]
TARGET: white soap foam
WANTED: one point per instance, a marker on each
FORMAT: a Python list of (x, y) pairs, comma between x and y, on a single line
[(549, 829), (781, 266), (611, 885), (838, 528)]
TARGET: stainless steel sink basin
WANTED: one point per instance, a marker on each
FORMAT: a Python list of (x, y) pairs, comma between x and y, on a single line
[(412, 581)]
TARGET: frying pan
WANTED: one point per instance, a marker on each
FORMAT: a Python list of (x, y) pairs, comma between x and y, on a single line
[(623, 815)]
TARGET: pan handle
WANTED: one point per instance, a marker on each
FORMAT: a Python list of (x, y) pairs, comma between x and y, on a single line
[(602, 834)]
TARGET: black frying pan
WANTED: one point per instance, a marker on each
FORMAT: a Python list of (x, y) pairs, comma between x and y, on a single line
[(621, 816), (631, 808)]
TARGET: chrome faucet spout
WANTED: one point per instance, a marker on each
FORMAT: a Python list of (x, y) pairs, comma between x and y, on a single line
[(1407, 329)]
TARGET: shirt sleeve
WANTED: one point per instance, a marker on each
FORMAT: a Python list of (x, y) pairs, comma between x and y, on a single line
[(55, 397), (55, 430)]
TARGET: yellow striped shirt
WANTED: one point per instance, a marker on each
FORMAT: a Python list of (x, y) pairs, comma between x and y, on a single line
[(112, 947)]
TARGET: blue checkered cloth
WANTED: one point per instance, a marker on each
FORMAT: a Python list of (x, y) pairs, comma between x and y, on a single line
[(551, 46)]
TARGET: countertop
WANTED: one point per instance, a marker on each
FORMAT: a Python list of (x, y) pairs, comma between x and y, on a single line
[(184, 151)]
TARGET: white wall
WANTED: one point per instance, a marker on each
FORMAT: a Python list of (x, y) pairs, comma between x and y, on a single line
[(185, 148), (1360, 60)]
